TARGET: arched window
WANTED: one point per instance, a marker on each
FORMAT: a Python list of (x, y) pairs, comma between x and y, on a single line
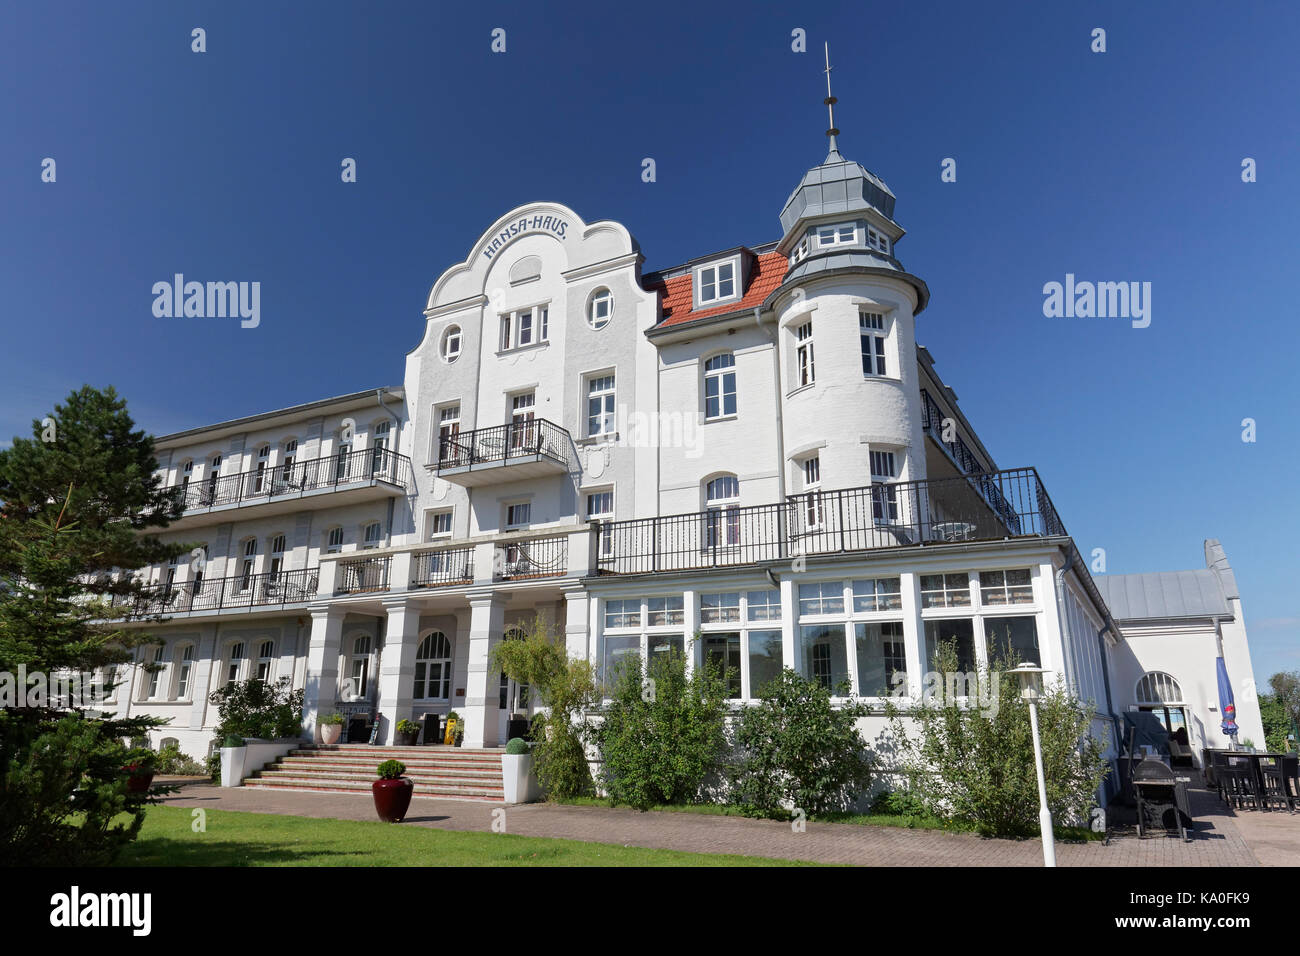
[(722, 503), (184, 666), (187, 472), (156, 676), (600, 308), (333, 540), (433, 668), (265, 660), (247, 563), (276, 556), (234, 663), (359, 670), (214, 475), (379, 445), (260, 485), (169, 742), (288, 456), (451, 344), (1158, 687), (720, 386)]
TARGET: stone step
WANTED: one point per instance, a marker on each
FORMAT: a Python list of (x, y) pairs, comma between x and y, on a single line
[(433, 778), (368, 768), (443, 792), (362, 751)]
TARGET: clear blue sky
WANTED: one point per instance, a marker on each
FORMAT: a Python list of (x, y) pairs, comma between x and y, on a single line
[(1117, 166)]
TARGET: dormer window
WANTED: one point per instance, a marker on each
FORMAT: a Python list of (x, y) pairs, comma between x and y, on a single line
[(877, 240), (800, 252), (717, 283), (842, 234)]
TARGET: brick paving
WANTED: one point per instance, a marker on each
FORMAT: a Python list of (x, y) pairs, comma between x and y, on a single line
[(1220, 838)]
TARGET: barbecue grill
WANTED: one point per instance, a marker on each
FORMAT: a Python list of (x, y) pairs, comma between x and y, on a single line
[(1160, 794)]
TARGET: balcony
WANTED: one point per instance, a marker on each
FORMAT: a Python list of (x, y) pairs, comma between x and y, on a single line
[(532, 449), (362, 575), (243, 592), (932, 419), (980, 507), (349, 478)]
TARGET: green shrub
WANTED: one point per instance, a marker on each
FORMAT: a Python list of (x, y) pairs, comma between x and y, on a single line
[(391, 770), (170, 760), (259, 710), (330, 720), (567, 689), (797, 750), (662, 739), (407, 727), (517, 746), (974, 762), (899, 803), (233, 740)]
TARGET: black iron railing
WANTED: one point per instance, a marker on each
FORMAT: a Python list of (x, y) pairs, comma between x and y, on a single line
[(503, 444), (535, 558), (932, 419), (332, 471), (269, 589), (357, 575), (439, 568), (993, 505)]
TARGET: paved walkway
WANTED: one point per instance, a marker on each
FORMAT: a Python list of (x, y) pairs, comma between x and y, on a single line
[(1218, 840)]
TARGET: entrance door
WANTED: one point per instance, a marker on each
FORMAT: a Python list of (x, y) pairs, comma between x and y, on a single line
[(514, 698)]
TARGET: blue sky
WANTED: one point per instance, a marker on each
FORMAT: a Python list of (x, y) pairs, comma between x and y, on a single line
[(1115, 166)]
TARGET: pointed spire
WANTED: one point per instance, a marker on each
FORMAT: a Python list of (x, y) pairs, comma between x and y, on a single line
[(834, 155)]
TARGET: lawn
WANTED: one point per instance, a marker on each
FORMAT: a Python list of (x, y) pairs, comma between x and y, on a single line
[(261, 839)]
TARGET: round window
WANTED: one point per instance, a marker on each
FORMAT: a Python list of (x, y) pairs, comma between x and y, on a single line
[(451, 344), (600, 309)]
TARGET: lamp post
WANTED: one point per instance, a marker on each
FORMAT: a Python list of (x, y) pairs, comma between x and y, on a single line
[(1030, 678)]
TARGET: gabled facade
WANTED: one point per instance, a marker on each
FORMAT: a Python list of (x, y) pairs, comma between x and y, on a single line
[(750, 447)]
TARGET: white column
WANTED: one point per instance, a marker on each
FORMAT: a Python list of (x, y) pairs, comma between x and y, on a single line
[(789, 615), (913, 633), (397, 670), (576, 633), (322, 679), (483, 691), (205, 652)]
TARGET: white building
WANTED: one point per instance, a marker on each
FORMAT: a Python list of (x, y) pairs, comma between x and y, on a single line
[(751, 446)]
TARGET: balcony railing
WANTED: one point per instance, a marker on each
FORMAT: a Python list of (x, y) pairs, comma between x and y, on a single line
[(269, 589), (994, 505), (932, 419), (332, 471), (359, 575), (535, 558), (439, 568), (503, 444)]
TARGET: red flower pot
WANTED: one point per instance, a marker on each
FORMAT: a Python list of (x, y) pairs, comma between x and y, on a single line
[(138, 781), (392, 798)]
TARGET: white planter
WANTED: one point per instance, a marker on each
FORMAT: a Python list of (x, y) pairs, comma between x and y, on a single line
[(520, 782), (232, 765), (330, 733)]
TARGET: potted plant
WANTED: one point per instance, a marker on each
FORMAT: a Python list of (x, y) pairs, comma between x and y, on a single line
[(460, 732), (139, 774), (331, 728), (392, 791), (453, 726), (517, 772), (408, 733)]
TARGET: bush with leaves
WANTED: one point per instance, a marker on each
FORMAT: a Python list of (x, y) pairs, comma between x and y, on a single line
[(170, 760), (254, 708), (975, 763), (662, 739), (796, 749), (567, 689)]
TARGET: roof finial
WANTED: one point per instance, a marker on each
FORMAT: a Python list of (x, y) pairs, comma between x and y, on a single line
[(830, 110)]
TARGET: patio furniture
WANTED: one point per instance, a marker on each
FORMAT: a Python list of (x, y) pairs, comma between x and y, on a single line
[(1237, 781), (1291, 777), (1160, 795), (1272, 783)]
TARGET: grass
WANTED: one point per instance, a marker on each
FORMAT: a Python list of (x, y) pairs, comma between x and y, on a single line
[(903, 821), (234, 838)]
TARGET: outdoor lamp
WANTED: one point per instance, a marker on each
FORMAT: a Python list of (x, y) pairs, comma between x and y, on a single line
[(1030, 678)]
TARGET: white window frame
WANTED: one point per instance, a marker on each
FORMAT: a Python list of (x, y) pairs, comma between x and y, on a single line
[(724, 375), (602, 388), (805, 360), (878, 240), (514, 524), (600, 301), (841, 234), (435, 640), (265, 662), (722, 514), (433, 518), (453, 335), (372, 535), (536, 318), (184, 671), (604, 516), (331, 545), (873, 333), (711, 276)]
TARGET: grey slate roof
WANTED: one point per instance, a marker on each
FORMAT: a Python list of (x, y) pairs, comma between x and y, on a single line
[(836, 186), (1163, 595), (843, 259)]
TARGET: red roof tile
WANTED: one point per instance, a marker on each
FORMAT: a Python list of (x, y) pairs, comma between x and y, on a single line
[(676, 298)]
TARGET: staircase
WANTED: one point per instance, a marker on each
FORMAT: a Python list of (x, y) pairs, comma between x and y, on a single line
[(448, 773)]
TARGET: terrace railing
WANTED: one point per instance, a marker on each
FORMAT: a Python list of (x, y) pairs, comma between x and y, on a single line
[(358, 575), (535, 558), (332, 471), (932, 419), (269, 589), (532, 439), (991, 505), (442, 567)]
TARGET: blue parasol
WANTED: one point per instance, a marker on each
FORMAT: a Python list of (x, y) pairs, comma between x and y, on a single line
[(1227, 704)]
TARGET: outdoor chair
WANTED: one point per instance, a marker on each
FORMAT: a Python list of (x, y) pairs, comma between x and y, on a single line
[(1237, 783), (1274, 790)]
